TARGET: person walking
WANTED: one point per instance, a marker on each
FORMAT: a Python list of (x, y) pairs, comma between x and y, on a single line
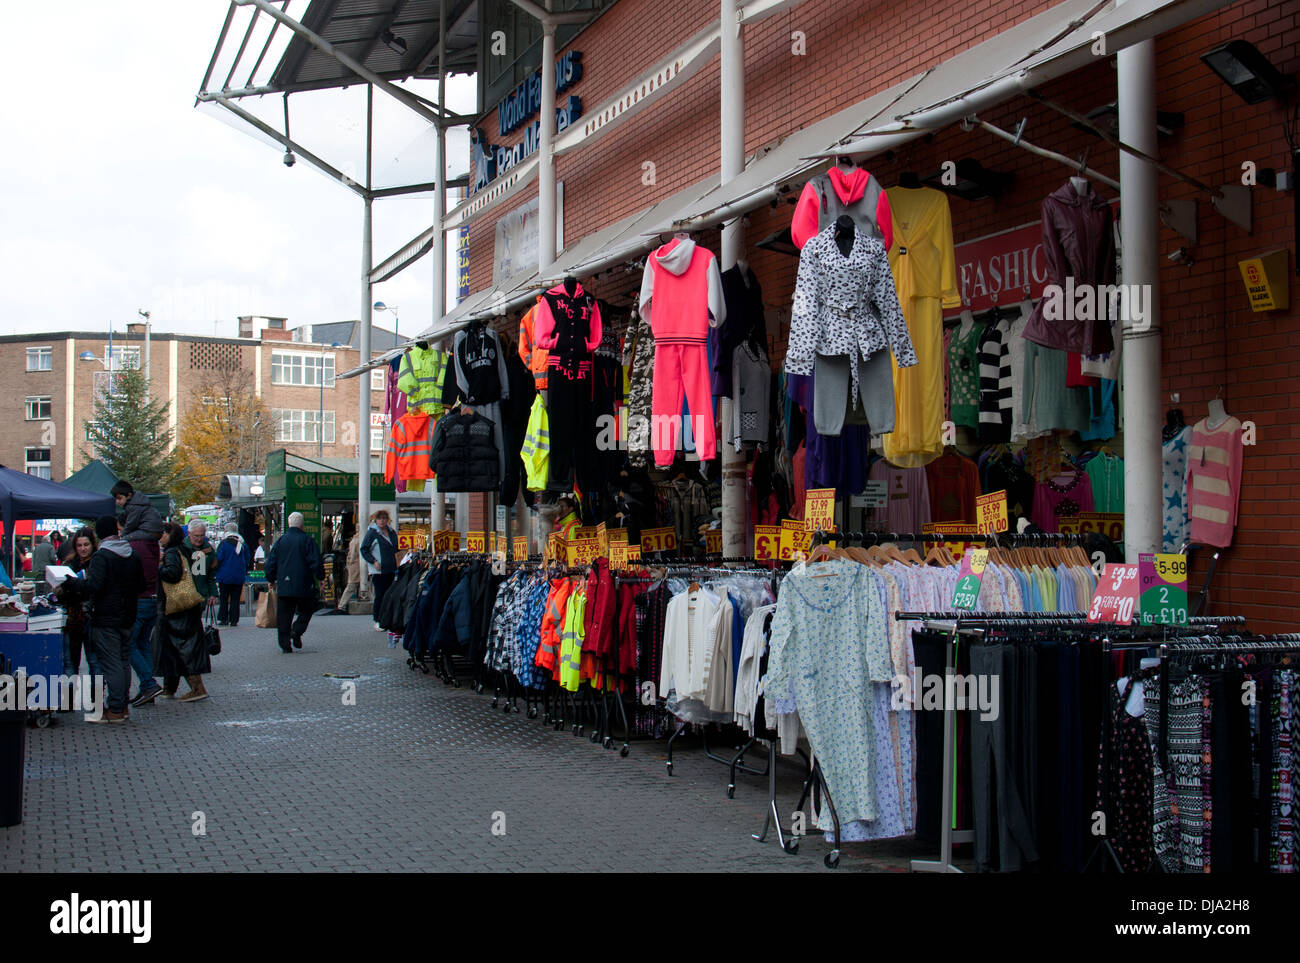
[(294, 566), (354, 571), (141, 526), (44, 554), (114, 579), (233, 563), (71, 594), (179, 646), (379, 549)]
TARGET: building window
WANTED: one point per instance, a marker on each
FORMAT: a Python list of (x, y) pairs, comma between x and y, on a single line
[(379, 378), (376, 439), (38, 462), (292, 368), (121, 357), (294, 424), (38, 407), (40, 359)]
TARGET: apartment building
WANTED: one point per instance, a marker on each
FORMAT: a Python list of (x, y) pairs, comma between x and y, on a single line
[(54, 378)]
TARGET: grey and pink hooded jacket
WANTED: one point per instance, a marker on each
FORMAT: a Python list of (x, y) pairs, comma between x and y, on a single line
[(680, 290), (829, 195)]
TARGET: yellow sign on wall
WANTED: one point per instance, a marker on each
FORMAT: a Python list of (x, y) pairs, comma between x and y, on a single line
[(1266, 280)]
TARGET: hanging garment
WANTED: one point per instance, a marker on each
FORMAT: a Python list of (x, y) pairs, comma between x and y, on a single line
[(515, 412), (1214, 460), (533, 355), (692, 648), (480, 365), (953, 482), (751, 397), (409, 447), (568, 326), (924, 268), (537, 446), (1054, 500), (845, 306), (688, 503), (463, 453), (640, 362), (908, 500), (1174, 474), (995, 387), (855, 193), (963, 373), (1078, 243), (680, 289), (1180, 774), (743, 299), (420, 377), (1049, 403), (1106, 474)]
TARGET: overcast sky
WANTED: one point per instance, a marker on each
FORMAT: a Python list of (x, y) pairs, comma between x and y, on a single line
[(118, 194)]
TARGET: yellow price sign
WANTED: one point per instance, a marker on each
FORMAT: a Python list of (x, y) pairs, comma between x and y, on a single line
[(634, 553), (475, 542), (521, 547), (767, 542), (618, 556), (555, 547), (991, 512), (795, 539), (819, 509), (658, 540), (713, 541), (1172, 568), (446, 540)]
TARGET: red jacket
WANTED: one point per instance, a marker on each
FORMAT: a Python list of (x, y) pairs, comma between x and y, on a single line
[(598, 619)]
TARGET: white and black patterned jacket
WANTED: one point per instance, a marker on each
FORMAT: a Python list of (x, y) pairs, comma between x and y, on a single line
[(845, 305)]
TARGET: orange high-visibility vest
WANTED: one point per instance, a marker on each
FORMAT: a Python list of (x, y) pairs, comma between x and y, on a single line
[(534, 357), (409, 447)]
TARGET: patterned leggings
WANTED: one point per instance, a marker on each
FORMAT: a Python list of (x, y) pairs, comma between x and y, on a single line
[(1182, 785)]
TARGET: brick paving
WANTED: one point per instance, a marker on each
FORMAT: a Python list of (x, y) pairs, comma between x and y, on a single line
[(283, 776)]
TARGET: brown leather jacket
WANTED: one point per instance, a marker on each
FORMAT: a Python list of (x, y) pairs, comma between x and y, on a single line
[(1078, 242)]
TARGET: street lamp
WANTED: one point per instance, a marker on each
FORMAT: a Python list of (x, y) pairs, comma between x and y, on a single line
[(320, 413), (397, 322), (148, 329)]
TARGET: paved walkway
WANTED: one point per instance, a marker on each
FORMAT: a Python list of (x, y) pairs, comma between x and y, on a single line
[(281, 775)]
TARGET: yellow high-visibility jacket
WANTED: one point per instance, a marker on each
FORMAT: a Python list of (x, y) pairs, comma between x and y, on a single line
[(536, 452), (419, 377)]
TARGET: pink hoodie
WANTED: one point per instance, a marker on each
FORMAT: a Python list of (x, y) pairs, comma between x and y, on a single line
[(849, 188), (681, 287)]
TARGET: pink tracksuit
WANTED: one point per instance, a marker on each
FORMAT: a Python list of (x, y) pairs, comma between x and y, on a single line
[(680, 289)]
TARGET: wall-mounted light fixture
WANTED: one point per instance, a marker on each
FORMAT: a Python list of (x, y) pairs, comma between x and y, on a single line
[(1247, 71), (394, 43)]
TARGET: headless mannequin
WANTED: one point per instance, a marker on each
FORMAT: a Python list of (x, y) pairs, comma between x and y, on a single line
[(844, 231), (1174, 423), (910, 180), (967, 322), (570, 284), (1217, 414), (1080, 185)]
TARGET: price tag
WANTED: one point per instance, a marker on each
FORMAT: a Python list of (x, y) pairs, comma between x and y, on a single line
[(767, 542), (634, 553), (1110, 524), (1163, 598), (521, 547), (618, 556), (875, 495), (603, 535), (492, 543), (411, 537), (555, 547), (713, 541), (819, 509), (1116, 596), (658, 540), (446, 540), (957, 548), (616, 535), (475, 542), (991, 513), (795, 538), (969, 579), (584, 547)]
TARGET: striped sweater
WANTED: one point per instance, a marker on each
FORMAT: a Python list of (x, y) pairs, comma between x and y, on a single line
[(995, 386)]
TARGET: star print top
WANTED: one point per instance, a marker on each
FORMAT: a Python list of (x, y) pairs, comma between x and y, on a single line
[(1175, 488)]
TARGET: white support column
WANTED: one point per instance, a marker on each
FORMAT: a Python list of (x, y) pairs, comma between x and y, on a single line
[(437, 500), (1140, 233), (733, 247), (545, 157), (363, 388)]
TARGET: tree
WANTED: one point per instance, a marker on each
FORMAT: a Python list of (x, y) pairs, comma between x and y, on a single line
[(226, 430), (130, 432)]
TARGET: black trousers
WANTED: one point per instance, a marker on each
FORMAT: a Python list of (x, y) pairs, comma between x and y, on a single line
[(113, 650), (379, 586), (292, 613), (570, 411), (228, 610)]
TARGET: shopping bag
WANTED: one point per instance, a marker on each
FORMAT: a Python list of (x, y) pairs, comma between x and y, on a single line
[(265, 618)]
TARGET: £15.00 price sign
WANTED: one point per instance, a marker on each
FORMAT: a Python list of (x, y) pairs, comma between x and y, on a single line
[(819, 509), (1163, 579), (1115, 599), (971, 575)]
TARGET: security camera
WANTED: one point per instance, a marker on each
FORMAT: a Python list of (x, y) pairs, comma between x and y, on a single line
[(1181, 256), (289, 159)]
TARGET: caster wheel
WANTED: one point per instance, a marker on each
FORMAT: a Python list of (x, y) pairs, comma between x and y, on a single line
[(670, 768), (608, 743), (594, 737), (731, 792), (478, 689), (515, 708), (532, 712), (494, 703), (832, 859), (623, 752), (424, 669), (506, 708), (792, 847)]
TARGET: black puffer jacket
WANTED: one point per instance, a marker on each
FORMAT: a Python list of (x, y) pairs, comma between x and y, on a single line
[(464, 453)]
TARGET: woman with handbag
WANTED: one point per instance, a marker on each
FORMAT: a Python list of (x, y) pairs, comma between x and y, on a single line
[(180, 648)]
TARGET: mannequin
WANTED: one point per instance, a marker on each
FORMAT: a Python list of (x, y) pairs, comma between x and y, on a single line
[(1080, 185), (570, 284), (910, 180), (1217, 414), (967, 321), (844, 234), (1174, 423)]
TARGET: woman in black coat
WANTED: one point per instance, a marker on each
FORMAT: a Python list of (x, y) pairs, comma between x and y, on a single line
[(179, 648)]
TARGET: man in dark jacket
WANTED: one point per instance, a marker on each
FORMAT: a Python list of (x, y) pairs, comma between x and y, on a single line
[(379, 552), (293, 567), (233, 562), (114, 580), (140, 520), (42, 555)]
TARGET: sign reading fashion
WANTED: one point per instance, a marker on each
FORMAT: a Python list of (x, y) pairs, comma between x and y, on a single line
[(488, 161)]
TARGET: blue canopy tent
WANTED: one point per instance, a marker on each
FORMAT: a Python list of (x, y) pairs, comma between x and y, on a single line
[(26, 497)]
